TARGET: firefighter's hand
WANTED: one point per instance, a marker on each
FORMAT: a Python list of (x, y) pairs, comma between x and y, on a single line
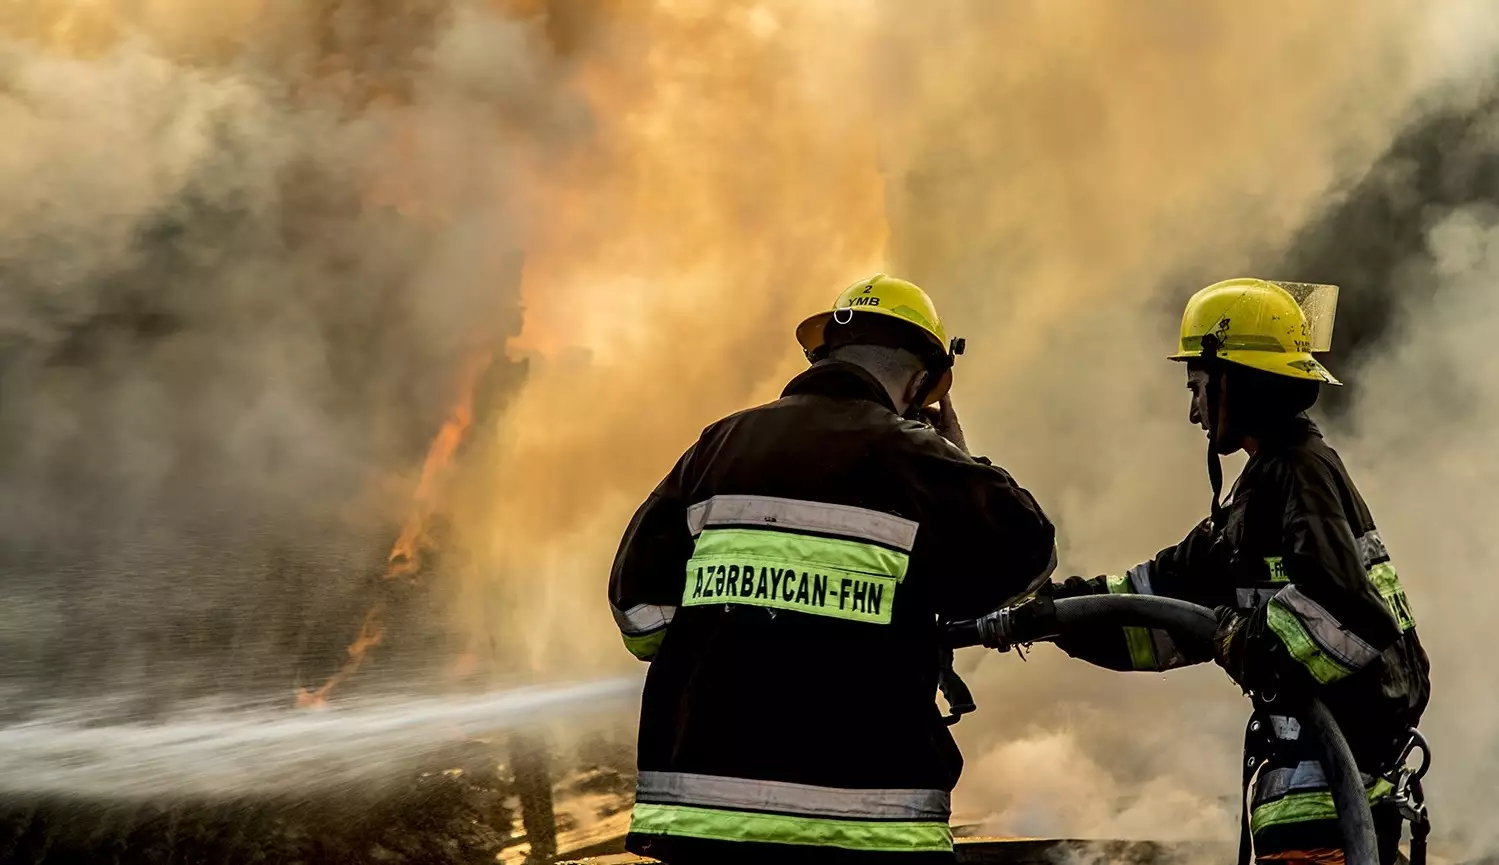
[(1074, 587), (945, 421), (1228, 645)]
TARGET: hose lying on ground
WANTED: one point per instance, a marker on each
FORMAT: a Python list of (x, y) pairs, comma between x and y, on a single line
[(1188, 624)]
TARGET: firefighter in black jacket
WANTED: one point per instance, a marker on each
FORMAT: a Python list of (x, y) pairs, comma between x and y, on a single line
[(786, 581), (1307, 596)]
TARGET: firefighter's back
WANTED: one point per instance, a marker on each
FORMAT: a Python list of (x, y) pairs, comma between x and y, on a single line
[(789, 712)]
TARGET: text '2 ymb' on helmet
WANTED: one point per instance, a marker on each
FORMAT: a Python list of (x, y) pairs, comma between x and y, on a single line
[(884, 295), (1266, 325)]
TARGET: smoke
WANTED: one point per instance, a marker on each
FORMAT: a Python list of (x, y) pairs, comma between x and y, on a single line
[(1421, 417), (246, 263), (238, 288), (1061, 175)]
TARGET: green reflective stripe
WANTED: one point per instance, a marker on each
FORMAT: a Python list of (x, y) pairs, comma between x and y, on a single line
[(1302, 647), (802, 551), (834, 577), (875, 837), (1384, 578), (1305, 807), (1141, 649), (644, 647), (1277, 568), (783, 586), (1142, 654)]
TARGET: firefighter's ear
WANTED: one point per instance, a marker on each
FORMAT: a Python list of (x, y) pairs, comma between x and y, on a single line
[(914, 387)]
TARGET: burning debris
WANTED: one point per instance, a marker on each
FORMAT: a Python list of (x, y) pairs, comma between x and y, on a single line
[(406, 556)]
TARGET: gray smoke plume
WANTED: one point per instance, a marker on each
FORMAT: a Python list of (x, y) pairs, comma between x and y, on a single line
[(237, 297), (1420, 417)]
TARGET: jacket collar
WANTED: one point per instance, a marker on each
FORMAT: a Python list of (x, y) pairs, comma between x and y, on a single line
[(1293, 431), (839, 379)]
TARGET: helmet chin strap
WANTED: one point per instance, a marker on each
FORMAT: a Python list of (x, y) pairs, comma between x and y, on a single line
[(1215, 465)]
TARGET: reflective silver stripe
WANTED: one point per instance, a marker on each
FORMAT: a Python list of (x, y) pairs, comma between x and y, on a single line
[(797, 515), (1285, 727), (1139, 578), (1253, 599), (1329, 633), (1167, 655), (1371, 548), (713, 791), (642, 618), (1304, 776)]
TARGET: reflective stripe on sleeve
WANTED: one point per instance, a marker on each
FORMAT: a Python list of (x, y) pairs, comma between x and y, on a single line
[(1141, 641), (642, 618), (795, 515), (1387, 583), (1314, 638), (643, 627), (1376, 559), (807, 800), (645, 646), (1371, 548), (1168, 656)]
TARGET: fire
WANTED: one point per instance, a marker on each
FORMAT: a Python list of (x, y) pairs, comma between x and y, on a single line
[(407, 554)]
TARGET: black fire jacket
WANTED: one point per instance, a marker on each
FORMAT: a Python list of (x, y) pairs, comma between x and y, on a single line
[(1298, 555), (786, 580)]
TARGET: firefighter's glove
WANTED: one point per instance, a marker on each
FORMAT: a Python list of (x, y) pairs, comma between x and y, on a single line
[(1086, 645), (1074, 587), (1228, 644), (1033, 620)]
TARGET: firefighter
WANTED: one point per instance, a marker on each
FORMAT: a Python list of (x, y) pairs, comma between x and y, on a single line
[(1307, 596), (786, 580)]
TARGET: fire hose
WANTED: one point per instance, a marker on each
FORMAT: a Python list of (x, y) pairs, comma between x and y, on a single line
[(1187, 624)]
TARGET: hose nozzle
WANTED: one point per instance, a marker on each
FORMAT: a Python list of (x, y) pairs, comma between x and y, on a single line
[(1029, 621)]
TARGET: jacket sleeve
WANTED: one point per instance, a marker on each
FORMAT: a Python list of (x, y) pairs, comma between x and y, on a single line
[(649, 570), (989, 539), (1175, 572), (1329, 622)]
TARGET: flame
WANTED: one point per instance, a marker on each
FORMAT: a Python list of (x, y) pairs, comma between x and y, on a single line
[(407, 553)]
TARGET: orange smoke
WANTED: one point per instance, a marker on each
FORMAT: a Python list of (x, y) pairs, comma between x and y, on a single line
[(407, 554)]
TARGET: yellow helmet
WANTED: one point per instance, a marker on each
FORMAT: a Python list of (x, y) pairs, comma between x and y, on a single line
[(883, 295), (1263, 325)]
